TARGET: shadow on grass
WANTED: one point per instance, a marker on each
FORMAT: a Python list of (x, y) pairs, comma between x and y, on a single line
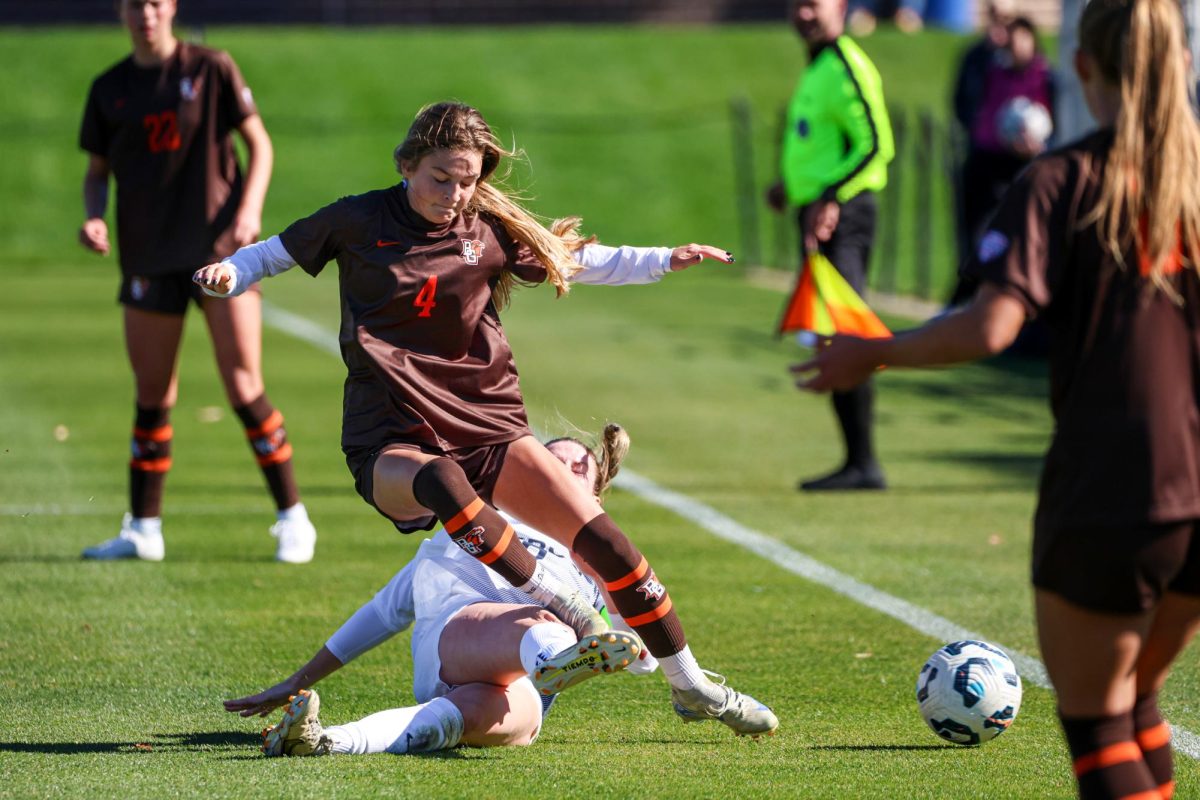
[(877, 747), (161, 742)]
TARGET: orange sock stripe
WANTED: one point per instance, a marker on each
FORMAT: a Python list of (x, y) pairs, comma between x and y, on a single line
[(464, 517), (629, 580), (268, 426), (651, 616), (1167, 790), (1107, 756), (501, 546), (1154, 738), (278, 457), (151, 464), (160, 434)]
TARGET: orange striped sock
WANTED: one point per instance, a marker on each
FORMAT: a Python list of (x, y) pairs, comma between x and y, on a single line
[(150, 459), (1154, 739), (1107, 760), (268, 438), (443, 488), (635, 590)]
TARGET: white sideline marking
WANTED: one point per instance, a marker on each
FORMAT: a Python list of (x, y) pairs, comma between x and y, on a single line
[(1032, 670)]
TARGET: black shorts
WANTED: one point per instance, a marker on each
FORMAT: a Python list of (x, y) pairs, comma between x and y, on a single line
[(481, 464), (1118, 570), (166, 294)]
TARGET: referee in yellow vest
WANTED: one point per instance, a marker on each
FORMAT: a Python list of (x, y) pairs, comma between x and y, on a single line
[(836, 147)]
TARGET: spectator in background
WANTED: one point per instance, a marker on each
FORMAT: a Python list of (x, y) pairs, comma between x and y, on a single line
[(836, 148), (1001, 138), (908, 15)]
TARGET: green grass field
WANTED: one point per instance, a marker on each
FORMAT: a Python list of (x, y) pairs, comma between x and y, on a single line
[(111, 675)]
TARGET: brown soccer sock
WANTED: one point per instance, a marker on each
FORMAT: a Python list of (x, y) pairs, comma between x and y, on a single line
[(443, 488), (150, 460), (635, 591), (268, 438), (1154, 738), (1108, 762)]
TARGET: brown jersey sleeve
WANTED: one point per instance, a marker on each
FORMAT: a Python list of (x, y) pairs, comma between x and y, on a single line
[(317, 239), (236, 102), (94, 131), (1020, 252), (518, 258)]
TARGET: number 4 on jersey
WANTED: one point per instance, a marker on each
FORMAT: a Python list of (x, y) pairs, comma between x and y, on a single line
[(424, 300)]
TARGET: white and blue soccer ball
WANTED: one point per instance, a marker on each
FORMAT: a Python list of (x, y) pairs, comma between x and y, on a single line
[(969, 692), (1021, 117)]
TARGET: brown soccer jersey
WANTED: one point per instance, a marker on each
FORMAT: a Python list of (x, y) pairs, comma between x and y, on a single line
[(166, 132), (1124, 360), (428, 360)]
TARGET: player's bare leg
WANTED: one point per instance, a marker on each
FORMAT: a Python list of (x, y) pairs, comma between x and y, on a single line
[(235, 327), (1091, 658)]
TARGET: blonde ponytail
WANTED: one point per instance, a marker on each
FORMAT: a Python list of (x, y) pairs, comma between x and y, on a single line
[(1150, 194)]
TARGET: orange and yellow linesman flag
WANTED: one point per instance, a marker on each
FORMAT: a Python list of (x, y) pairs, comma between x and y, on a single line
[(824, 304)]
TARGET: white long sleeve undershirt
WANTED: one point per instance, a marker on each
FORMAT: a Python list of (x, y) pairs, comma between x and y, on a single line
[(602, 265)]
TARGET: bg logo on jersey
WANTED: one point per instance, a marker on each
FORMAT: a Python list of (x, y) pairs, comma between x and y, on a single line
[(472, 250)]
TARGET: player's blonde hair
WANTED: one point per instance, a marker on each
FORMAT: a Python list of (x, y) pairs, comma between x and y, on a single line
[(608, 454), (1150, 194), (457, 126)]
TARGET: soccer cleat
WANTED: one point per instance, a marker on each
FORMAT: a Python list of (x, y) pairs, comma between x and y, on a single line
[(131, 542), (596, 654), (709, 700), (299, 733), (297, 540), (578, 614), (848, 478)]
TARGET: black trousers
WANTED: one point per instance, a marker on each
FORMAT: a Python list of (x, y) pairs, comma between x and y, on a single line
[(849, 249)]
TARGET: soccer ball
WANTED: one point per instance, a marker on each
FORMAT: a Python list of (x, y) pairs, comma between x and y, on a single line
[(969, 692), (1024, 117)]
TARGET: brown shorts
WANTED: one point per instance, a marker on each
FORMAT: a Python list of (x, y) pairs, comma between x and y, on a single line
[(481, 464), (1118, 570)]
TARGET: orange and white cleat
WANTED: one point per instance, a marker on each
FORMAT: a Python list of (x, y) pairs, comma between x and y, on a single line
[(299, 733), (595, 654)]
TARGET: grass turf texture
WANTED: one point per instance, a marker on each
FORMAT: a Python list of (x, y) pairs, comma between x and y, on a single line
[(111, 674)]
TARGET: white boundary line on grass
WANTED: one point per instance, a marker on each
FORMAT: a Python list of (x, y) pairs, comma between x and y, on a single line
[(726, 528)]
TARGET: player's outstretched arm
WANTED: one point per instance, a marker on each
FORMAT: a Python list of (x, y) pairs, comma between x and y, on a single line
[(244, 268), (323, 664), (617, 266)]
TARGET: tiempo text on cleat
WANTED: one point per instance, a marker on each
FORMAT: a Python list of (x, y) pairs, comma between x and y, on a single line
[(596, 654)]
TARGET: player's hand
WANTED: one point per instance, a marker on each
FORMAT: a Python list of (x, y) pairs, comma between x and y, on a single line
[(245, 230), (689, 254), (217, 277), (262, 703), (820, 221), (776, 196), (94, 236), (840, 363)]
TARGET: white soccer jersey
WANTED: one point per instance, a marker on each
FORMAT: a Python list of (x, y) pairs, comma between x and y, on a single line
[(442, 579)]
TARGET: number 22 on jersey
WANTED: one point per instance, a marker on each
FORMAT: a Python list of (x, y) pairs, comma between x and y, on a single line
[(424, 299)]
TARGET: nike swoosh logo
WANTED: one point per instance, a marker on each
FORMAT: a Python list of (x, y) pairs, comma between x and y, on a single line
[(382, 243)]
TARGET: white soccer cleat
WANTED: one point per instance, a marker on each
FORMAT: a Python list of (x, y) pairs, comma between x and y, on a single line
[(131, 542), (597, 654), (578, 614), (297, 540), (299, 733), (742, 713)]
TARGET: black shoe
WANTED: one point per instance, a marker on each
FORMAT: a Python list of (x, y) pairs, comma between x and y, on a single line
[(847, 478)]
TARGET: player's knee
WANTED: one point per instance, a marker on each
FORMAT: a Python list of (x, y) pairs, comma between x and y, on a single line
[(441, 483)]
